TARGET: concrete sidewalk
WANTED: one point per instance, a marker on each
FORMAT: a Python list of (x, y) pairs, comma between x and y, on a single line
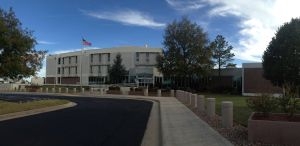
[(181, 127)]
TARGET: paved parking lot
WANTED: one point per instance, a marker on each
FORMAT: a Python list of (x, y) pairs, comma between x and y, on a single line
[(93, 122)]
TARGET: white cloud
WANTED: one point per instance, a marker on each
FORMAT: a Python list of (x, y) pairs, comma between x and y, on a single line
[(128, 17), (259, 22), (41, 42), (186, 5)]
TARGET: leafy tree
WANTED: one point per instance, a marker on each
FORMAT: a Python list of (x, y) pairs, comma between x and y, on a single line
[(281, 59), (231, 65), (18, 58), (117, 71), (221, 52), (185, 51)]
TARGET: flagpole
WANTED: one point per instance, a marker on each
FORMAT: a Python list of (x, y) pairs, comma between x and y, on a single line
[(81, 57)]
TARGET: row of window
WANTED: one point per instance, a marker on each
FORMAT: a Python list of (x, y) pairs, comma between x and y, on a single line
[(99, 57), (63, 69), (92, 58), (62, 60), (137, 56)]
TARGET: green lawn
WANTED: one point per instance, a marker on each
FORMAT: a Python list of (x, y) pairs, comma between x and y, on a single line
[(10, 107), (241, 112)]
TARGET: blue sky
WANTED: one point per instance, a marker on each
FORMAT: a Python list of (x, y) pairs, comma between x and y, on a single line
[(59, 25)]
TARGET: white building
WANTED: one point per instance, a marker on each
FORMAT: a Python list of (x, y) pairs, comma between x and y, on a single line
[(90, 67)]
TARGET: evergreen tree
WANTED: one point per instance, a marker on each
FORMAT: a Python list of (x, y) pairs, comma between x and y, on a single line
[(18, 58), (221, 52), (185, 51), (281, 59), (117, 71)]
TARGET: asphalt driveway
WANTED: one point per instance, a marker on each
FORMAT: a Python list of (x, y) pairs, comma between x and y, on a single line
[(93, 122)]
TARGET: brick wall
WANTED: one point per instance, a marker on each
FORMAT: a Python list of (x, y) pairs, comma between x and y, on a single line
[(254, 82)]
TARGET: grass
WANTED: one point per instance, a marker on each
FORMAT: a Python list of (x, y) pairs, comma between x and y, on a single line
[(11, 107), (241, 112)]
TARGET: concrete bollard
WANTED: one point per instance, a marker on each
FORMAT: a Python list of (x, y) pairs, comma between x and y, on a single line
[(190, 98), (74, 90), (211, 107), (186, 97), (59, 90), (158, 93), (53, 90), (101, 91), (41, 89), (172, 93), (227, 114), (194, 100), (47, 90), (67, 90), (146, 92), (82, 90), (201, 103)]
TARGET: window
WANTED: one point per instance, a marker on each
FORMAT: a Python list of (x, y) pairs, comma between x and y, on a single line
[(92, 57), (76, 59), (69, 70), (63, 70), (108, 57), (147, 56), (76, 68), (99, 69), (69, 60), (137, 54), (58, 70), (99, 57), (91, 69), (63, 60), (58, 61)]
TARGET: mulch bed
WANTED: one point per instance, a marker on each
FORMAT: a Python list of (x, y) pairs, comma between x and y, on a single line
[(237, 135)]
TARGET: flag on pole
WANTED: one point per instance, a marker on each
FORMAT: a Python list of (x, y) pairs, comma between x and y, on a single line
[(86, 43)]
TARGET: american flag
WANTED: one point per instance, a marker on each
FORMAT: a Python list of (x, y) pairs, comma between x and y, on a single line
[(86, 43)]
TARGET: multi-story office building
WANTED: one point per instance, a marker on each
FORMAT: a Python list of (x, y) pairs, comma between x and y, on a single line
[(90, 67)]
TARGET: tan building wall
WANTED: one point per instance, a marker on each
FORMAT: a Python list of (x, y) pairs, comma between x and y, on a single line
[(67, 68)]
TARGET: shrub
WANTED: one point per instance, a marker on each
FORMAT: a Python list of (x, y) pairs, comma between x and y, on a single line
[(264, 104), (288, 104)]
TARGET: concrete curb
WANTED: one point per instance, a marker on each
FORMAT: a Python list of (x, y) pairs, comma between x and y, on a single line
[(36, 111)]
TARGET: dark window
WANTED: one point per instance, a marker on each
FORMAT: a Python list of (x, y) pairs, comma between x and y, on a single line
[(147, 56), (76, 68), (91, 69), (92, 57), (58, 70), (63, 60), (63, 70), (108, 57), (69, 60), (58, 61), (76, 59), (99, 69), (137, 54)]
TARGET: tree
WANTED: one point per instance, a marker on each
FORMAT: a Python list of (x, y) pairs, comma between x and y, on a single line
[(185, 51), (281, 59), (18, 58), (231, 65), (117, 71), (221, 52)]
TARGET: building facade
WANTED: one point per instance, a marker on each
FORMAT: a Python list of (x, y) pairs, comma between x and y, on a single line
[(254, 83), (90, 67)]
